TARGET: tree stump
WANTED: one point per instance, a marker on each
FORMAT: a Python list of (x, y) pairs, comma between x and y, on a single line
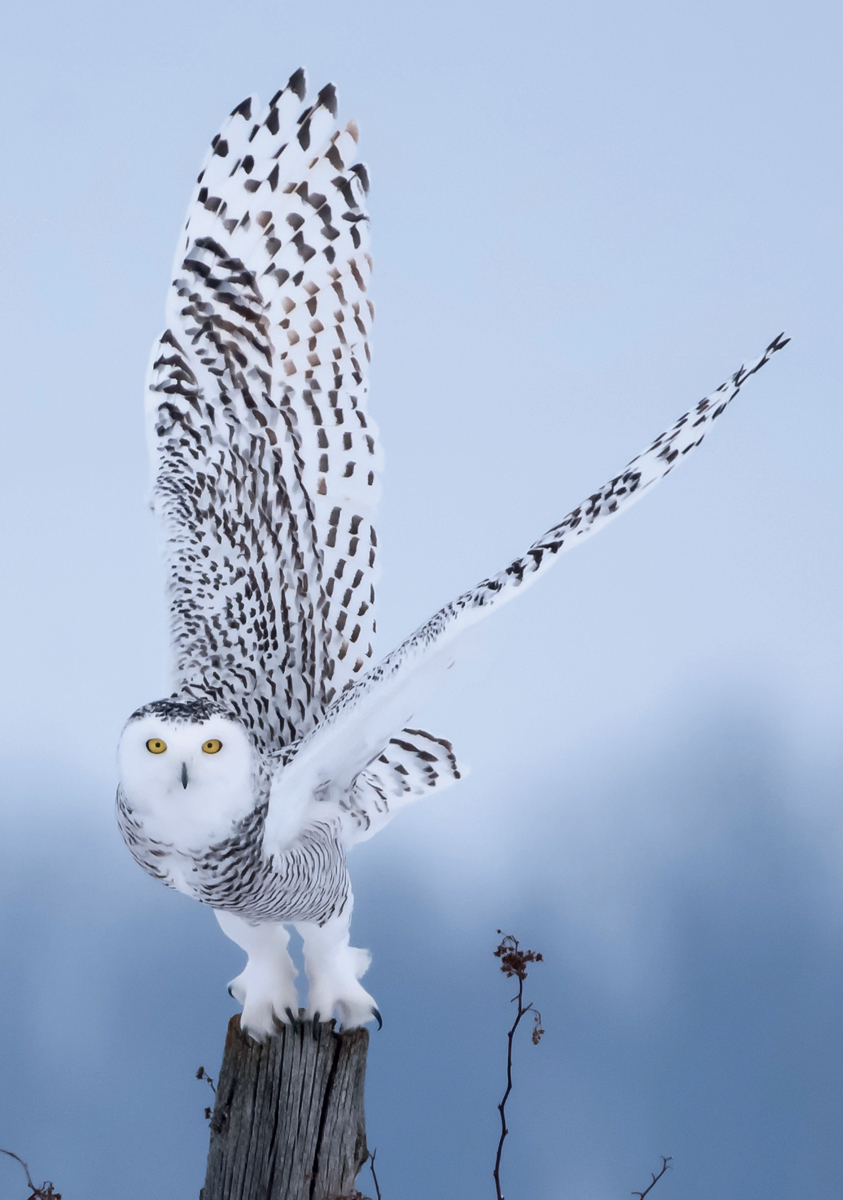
[(288, 1120)]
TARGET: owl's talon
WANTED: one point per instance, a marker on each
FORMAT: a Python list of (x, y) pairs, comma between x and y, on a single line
[(315, 1026), (378, 1018), (237, 990)]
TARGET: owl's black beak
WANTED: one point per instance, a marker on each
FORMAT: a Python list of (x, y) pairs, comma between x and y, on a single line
[(184, 775)]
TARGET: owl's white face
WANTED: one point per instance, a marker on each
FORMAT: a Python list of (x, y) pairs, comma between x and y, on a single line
[(189, 782)]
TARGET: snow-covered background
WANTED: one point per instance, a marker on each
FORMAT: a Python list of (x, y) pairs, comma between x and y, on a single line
[(585, 216)]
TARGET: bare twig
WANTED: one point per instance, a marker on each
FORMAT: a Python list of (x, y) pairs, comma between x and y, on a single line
[(514, 962), (359, 1195), (203, 1074), (45, 1192), (374, 1174), (656, 1178)]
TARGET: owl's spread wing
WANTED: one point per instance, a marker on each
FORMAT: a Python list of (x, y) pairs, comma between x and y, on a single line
[(264, 457), (361, 721)]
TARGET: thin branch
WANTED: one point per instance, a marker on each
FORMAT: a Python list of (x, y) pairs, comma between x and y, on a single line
[(355, 1195), (656, 1178), (374, 1174), (45, 1192), (23, 1164), (514, 963), (203, 1074)]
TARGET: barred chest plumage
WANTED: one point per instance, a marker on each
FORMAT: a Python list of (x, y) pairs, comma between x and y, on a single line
[(308, 882)]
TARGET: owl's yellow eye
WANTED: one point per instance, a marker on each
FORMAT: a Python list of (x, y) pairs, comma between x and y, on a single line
[(156, 746), (212, 747)]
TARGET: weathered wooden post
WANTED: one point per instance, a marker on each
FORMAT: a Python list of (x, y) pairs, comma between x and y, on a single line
[(288, 1121)]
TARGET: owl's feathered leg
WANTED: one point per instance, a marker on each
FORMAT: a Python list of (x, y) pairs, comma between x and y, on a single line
[(334, 969), (266, 987)]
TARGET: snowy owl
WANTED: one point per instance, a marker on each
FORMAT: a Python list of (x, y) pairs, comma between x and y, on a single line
[(282, 745)]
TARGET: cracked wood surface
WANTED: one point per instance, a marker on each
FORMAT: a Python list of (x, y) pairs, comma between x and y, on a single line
[(288, 1122)]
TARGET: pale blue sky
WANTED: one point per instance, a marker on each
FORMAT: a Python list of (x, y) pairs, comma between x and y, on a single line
[(584, 218)]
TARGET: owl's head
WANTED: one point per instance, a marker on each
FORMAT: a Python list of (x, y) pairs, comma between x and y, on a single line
[(187, 769)]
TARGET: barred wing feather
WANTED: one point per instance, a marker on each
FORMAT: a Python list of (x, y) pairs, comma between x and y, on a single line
[(264, 457), (360, 722), (413, 764)]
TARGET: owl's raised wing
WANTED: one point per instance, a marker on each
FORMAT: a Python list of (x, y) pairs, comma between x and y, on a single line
[(264, 457), (359, 724)]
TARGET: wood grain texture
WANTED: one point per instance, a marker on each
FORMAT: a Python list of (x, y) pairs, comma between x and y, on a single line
[(288, 1122)]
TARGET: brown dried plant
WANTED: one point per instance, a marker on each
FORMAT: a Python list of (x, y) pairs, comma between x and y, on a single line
[(203, 1074), (514, 963)]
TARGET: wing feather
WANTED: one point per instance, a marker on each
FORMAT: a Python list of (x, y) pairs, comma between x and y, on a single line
[(264, 458), (413, 764)]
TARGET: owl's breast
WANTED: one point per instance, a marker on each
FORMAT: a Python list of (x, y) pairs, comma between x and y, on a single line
[(309, 882)]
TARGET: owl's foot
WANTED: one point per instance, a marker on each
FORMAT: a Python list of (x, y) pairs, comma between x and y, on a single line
[(334, 969), (267, 995), (266, 986), (352, 1005)]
